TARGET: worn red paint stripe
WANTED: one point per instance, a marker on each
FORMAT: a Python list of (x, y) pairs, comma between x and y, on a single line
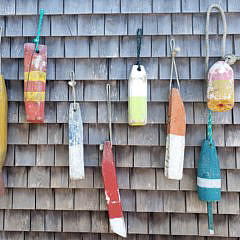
[(110, 183), (34, 111), (34, 86)]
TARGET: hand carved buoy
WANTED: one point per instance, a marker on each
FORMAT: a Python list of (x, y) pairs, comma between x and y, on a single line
[(209, 178), (220, 90), (175, 144), (137, 97), (34, 82)]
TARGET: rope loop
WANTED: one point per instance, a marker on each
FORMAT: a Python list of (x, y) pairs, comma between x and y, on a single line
[(36, 40), (174, 51), (217, 6), (108, 90), (139, 44), (72, 83)]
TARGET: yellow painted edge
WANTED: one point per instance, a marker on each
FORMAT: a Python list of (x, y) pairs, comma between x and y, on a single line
[(35, 76)]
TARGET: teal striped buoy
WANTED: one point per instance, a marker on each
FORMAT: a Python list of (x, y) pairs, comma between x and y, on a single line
[(209, 178)]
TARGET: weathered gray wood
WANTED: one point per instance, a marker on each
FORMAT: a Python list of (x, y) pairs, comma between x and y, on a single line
[(137, 223), (199, 24), (128, 200), (9, 70), (233, 6), (204, 4), (14, 26), (62, 112), (123, 178), (143, 179), (50, 112), (26, 8), (77, 7), (165, 6), (233, 177), (149, 201), (194, 205), (98, 133), (189, 180), (229, 203), (226, 157), (104, 47), (8, 7), (25, 155), (157, 156), (44, 199), (78, 90), (58, 91), (55, 47), (147, 135), (139, 6), (39, 177), (86, 199), (12, 235), (87, 182), (100, 222), (6, 199), (52, 221), (220, 225), (190, 6), (120, 133), (174, 201), (17, 220), (13, 90), (124, 156), (55, 134), (158, 46), (76, 47), (39, 235), (159, 223), (182, 23), (61, 155), (38, 134), (59, 177), (234, 221), (184, 224), (9, 161), (17, 51), (17, 177), (24, 198), (5, 44), (91, 155), (64, 199), (195, 134), (51, 7), (142, 156), (150, 26), (116, 25), (64, 67), (77, 221), (37, 221), (90, 25), (87, 69), (231, 135)]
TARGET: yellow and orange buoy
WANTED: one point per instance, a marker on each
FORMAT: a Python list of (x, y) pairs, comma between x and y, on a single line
[(220, 90)]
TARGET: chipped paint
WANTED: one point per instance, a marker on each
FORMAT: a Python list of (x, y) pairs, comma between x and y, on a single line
[(34, 82)]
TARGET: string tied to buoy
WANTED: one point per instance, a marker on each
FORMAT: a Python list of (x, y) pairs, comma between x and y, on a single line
[(176, 125), (36, 40), (72, 83), (174, 52), (108, 90), (139, 44)]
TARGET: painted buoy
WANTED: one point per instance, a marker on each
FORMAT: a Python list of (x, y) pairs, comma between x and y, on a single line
[(34, 82), (176, 129), (3, 129), (209, 178), (76, 160), (220, 90), (137, 97)]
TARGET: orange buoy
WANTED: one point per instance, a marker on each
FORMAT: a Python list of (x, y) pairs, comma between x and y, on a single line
[(220, 90)]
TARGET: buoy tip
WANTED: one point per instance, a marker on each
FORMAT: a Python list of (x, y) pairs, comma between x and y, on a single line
[(211, 231)]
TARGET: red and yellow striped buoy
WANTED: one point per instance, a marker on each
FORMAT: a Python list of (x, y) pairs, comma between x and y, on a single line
[(34, 82)]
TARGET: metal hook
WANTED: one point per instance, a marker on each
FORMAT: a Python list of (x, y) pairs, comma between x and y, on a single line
[(139, 43), (108, 89), (72, 84)]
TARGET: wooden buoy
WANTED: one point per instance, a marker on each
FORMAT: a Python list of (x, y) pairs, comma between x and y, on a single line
[(137, 97), (220, 90), (34, 82), (176, 129), (3, 122), (76, 160), (137, 90), (209, 178), (112, 196)]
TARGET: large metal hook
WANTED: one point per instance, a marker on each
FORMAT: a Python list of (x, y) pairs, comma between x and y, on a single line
[(72, 83)]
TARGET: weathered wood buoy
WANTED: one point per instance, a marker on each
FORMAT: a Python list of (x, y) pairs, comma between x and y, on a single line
[(3, 122), (112, 195), (220, 90), (209, 178), (137, 91), (176, 128), (76, 158), (35, 63)]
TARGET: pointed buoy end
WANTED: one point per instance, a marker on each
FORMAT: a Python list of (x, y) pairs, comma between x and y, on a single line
[(2, 185), (118, 226), (211, 231)]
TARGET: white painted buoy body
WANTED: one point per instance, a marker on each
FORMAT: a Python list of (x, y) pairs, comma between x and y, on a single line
[(76, 160), (175, 143), (137, 97)]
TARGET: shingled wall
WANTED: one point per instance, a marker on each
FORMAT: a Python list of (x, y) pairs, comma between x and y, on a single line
[(96, 39)]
